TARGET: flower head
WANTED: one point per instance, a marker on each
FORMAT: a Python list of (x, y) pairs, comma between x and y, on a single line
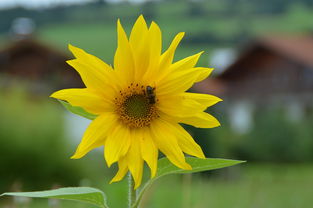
[(140, 102)]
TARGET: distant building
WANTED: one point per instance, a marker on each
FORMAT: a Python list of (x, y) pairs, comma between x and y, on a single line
[(42, 70), (270, 66), (44, 67), (269, 70), (222, 58)]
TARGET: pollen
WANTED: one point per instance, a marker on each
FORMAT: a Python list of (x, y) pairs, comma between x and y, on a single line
[(134, 107)]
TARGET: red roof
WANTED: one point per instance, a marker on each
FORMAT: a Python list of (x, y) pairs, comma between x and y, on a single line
[(297, 48)]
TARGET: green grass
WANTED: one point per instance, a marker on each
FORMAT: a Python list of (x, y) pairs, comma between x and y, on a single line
[(95, 30), (99, 37), (278, 186), (245, 186), (100, 40), (95, 38)]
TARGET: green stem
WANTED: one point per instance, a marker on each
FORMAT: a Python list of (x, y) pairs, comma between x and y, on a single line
[(141, 192), (131, 191)]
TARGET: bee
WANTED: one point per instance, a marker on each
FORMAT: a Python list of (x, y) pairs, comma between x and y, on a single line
[(150, 94)]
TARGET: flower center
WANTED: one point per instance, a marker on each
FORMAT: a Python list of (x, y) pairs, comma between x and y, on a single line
[(135, 107)]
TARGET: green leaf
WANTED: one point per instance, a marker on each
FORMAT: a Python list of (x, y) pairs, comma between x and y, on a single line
[(77, 110), (82, 194), (165, 167)]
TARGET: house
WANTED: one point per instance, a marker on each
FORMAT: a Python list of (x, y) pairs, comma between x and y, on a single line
[(270, 70), (269, 67), (43, 67)]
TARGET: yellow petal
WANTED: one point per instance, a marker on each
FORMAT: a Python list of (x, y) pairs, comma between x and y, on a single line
[(167, 143), (123, 59), (204, 73), (186, 142), (94, 72), (138, 33), (155, 38), (179, 106), (204, 99), (155, 47), (95, 134), (177, 74), (168, 55), (139, 43), (135, 161), (117, 144), (94, 79), (177, 82), (90, 101), (91, 60), (149, 151), (122, 170), (186, 63), (201, 120)]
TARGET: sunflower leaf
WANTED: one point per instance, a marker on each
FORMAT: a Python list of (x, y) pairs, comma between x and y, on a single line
[(82, 194), (77, 110), (165, 167)]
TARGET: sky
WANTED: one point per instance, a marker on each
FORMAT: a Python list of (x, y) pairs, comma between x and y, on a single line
[(47, 3), (36, 3)]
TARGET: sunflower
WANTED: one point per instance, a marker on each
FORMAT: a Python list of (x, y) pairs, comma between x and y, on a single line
[(140, 102)]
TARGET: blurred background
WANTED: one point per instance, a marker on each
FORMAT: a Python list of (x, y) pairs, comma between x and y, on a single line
[(262, 52)]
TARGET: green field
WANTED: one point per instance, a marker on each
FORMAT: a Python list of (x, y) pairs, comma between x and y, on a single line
[(95, 29), (100, 39), (245, 186)]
